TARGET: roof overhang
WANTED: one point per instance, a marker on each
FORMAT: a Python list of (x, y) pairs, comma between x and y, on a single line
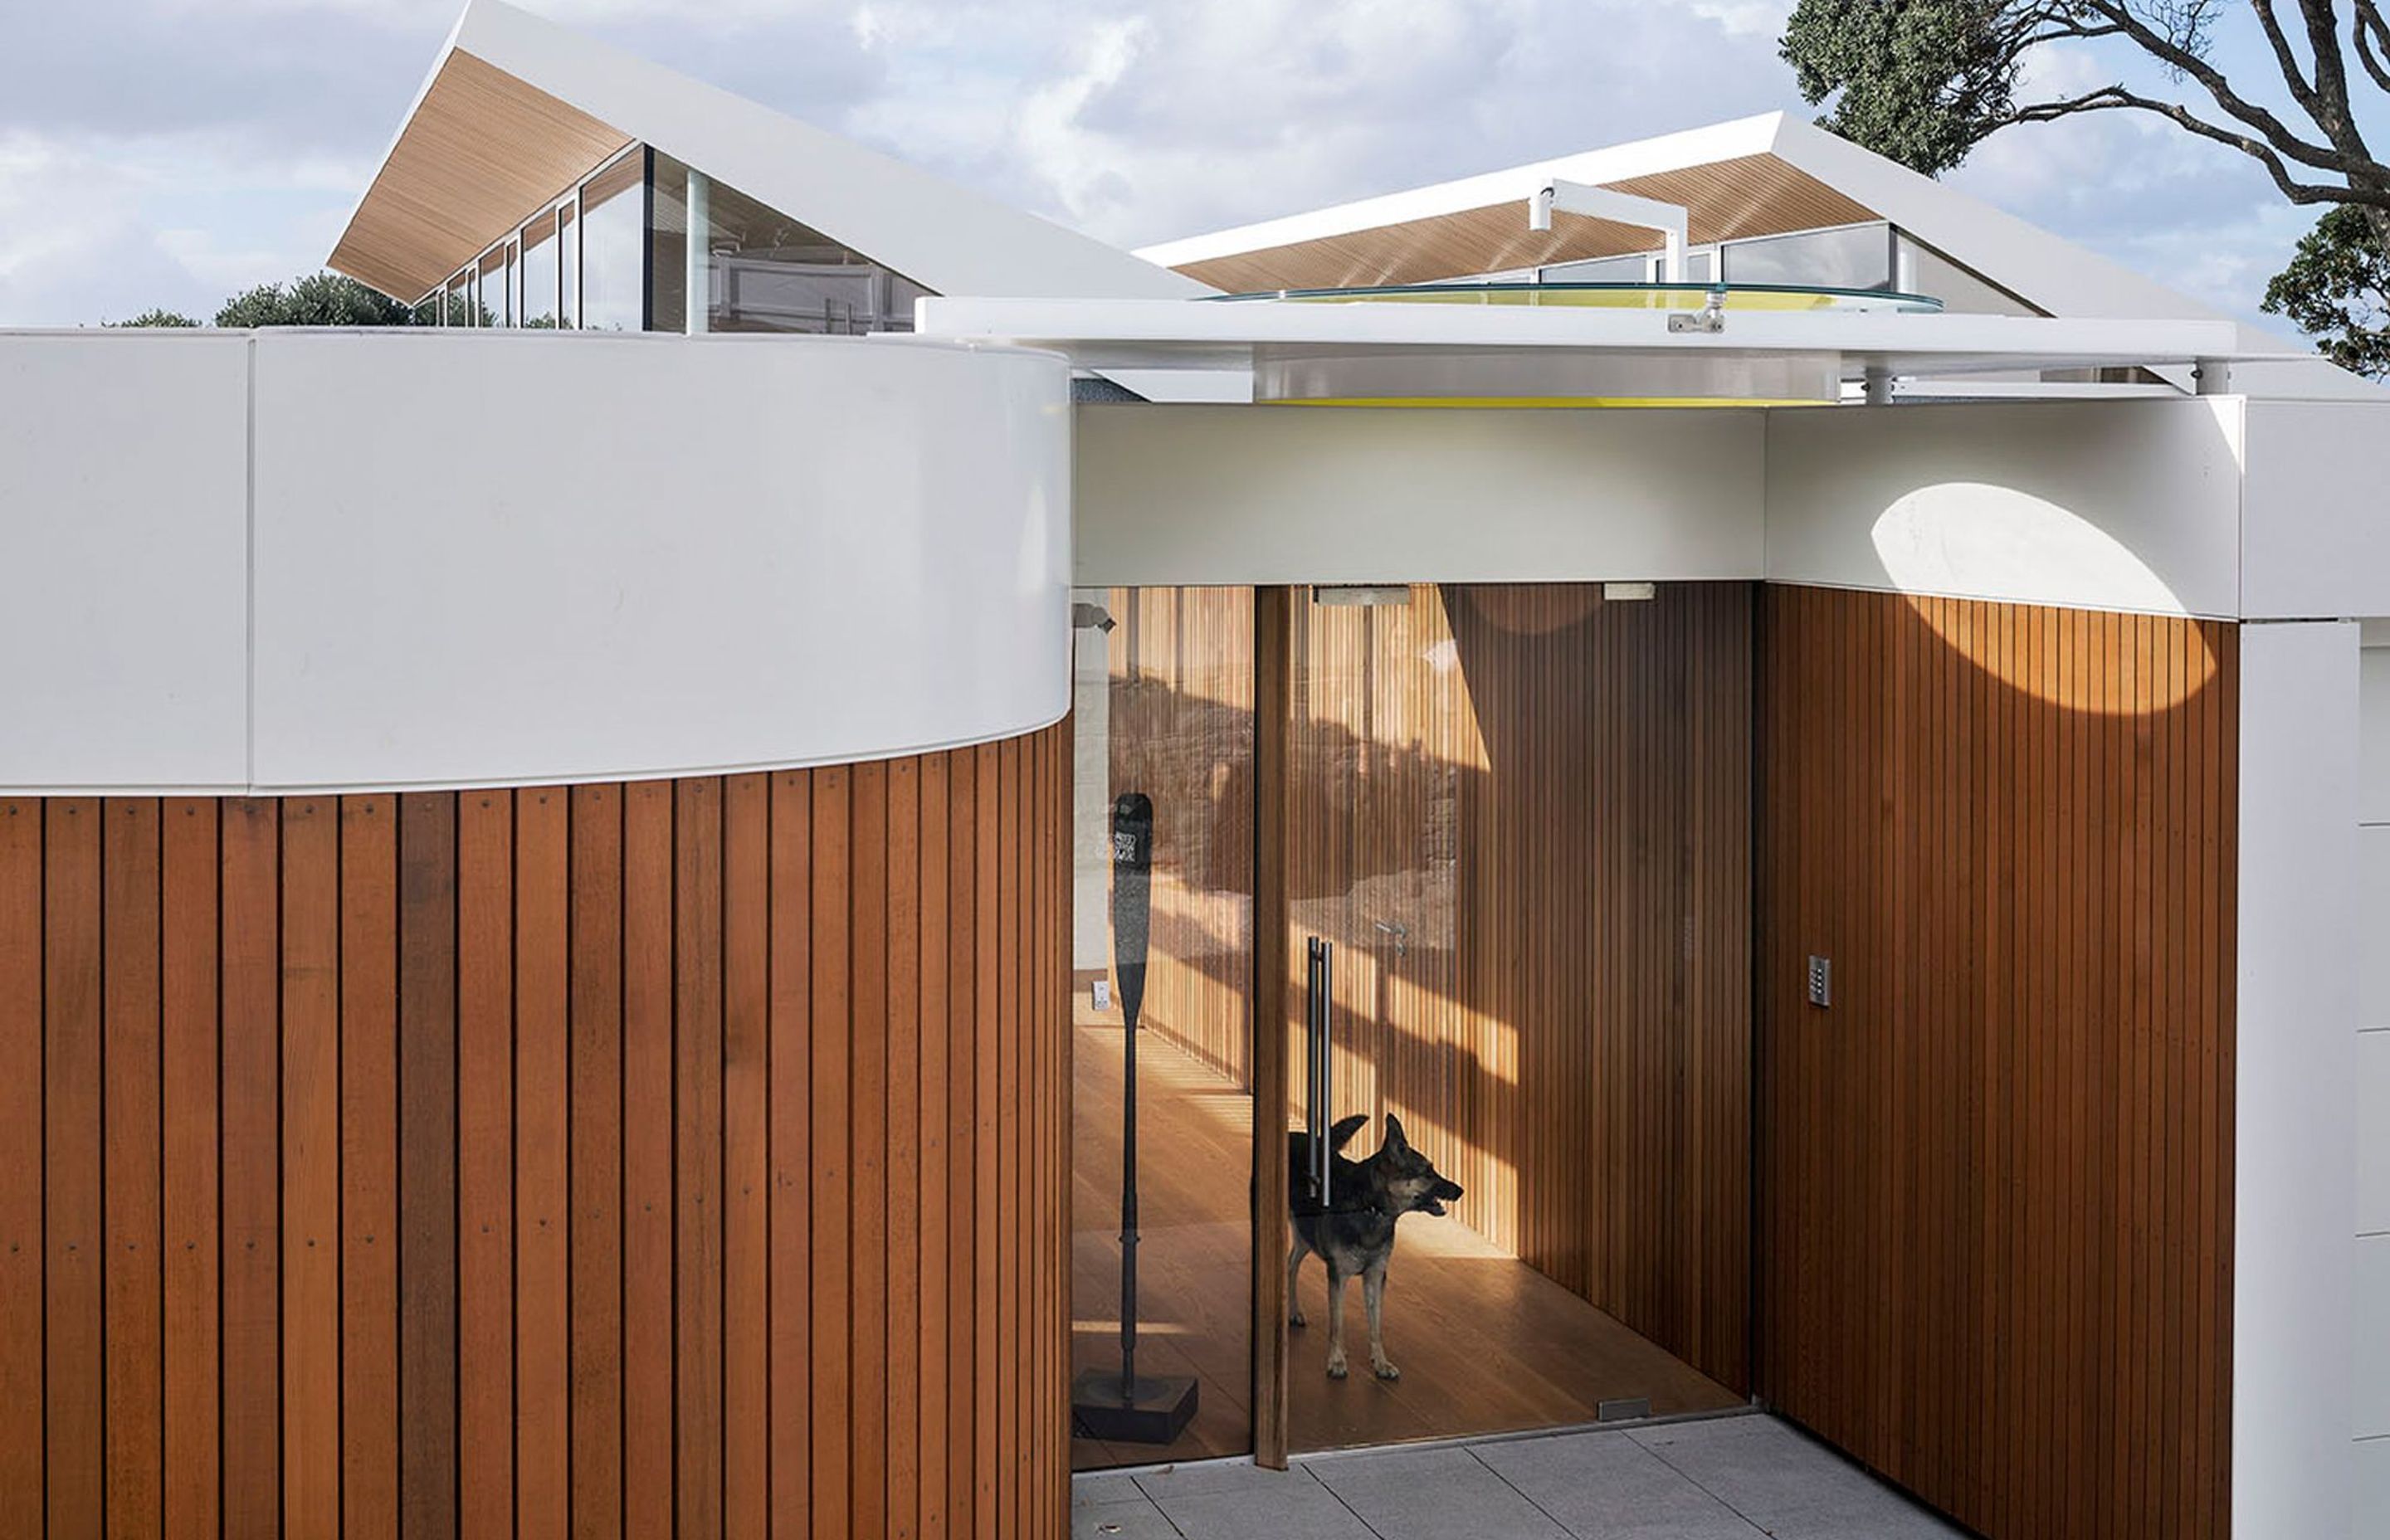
[(1217, 337), (516, 110)]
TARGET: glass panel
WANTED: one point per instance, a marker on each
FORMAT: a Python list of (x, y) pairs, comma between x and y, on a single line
[(493, 289), (1922, 270), (461, 300), (614, 271), (568, 258), (1518, 814), (1163, 705), (769, 272), (539, 273), (1633, 269), (667, 243), (1857, 257)]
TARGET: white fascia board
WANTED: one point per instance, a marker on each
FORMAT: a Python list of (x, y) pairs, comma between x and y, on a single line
[(2051, 272), (945, 236), (1698, 147), (1136, 333)]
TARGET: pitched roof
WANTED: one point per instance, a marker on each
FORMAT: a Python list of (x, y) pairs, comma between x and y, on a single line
[(516, 110), (1758, 175)]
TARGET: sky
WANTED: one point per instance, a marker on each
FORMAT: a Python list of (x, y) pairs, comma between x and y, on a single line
[(172, 152)]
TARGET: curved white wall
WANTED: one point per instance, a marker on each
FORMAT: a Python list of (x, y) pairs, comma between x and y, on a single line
[(352, 559)]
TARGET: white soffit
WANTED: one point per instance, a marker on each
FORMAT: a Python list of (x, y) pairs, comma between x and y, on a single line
[(938, 234), (1175, 335)]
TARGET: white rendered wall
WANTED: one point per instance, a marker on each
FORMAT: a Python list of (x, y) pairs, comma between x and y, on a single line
[(2371, 1339), (2293, 1369), (482, 558), (1239, 494), (2123, 505), (2318, 537), (123, 513)]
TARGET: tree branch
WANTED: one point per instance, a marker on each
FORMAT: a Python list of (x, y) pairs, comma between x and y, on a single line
[(2115, 98), (2371, 34), (2301, 90)]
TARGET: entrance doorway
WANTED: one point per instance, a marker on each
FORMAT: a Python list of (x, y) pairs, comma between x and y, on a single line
[(1518, 819)]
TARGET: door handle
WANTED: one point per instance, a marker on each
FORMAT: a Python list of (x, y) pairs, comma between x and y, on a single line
[(1320, 1065)]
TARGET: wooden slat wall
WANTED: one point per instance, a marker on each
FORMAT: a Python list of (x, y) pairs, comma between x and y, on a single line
[(1551, 795), (1996, 1221), (1182, 732), (583, 1161)]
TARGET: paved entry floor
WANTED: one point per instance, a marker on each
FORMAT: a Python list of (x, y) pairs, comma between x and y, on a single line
[(1734, 1478)]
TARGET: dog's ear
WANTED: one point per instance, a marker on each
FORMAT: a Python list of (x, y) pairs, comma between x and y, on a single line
[(1395, 1138), (1341, 1133)]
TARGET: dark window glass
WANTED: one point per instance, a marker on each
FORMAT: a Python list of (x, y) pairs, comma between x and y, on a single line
[(461, 300), (667, 243), (538, 269), (568, 263), (493, 289), (612, 220), (767, 272)]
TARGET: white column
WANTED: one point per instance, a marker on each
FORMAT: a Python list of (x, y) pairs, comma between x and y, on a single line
[(701, 224), (2294, 1102)]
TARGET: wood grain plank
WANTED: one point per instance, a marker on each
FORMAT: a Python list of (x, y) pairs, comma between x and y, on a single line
[(252, 1170), (867, 1150), (368, 1167), (428, 1454), (697, 1161), (598, 899), (23, 1251), (311, 1165), (485, 1181), (130, 1006), (74, 1304), (746, 1176), (903, 1139), (832, 1240), (789, 1050), (190, 1156), (647, 929), (543, 1198)]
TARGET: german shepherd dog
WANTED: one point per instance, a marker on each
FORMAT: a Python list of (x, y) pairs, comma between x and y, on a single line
[(1354, 1234)]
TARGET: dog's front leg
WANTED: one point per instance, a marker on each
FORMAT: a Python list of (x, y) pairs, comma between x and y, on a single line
[(1293, 1269), (1373, 1295), (1335, 1317)]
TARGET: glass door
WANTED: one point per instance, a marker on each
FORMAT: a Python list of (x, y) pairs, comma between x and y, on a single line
[(1164, 823), (1517, 907)]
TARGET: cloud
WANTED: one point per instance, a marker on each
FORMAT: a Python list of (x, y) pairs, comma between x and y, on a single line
[(171, 151)]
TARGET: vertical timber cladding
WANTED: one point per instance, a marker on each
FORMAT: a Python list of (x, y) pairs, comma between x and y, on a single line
[(1995, 1171), (1523, 815), (612, 1159)]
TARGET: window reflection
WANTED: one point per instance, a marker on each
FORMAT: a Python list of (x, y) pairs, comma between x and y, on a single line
[(612, 272), (567, 260), (767, 271), (1857, 256), (538, 269), (493, 289)]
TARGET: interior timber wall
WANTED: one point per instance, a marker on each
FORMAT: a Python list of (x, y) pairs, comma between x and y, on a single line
[(674, 1157), (1995, 1173), (1550, 795), (1182, 732)]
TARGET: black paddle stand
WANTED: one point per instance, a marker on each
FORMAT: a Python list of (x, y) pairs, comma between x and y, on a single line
[(1126, 1407)]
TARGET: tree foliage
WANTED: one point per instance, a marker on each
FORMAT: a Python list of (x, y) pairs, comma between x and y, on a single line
[(2337, 290), (318, 300), (155, 317), (1925, 81)]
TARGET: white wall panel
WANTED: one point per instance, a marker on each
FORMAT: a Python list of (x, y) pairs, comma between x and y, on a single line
[(2374, 741), (123, 508), (2126, 505), (2374, 1134), (2372, 1343), (2372, 1490), (2294, 1101), (490, 558), (2317, 543), (1238, 494), (2373, 910)]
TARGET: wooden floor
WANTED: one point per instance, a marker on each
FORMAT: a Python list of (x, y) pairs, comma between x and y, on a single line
[(1486, 1343)]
